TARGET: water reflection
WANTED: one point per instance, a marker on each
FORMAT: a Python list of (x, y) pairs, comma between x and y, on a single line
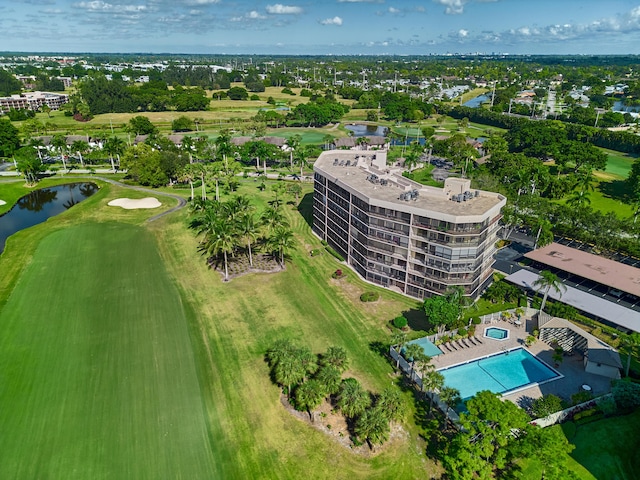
[(367, 130), (39, 205)]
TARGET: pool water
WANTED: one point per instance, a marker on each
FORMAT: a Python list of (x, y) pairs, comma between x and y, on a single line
[(496, 333), (499, 373), (429, 348)]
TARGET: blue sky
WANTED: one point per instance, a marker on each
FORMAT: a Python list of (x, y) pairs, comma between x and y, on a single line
[(322, 26)]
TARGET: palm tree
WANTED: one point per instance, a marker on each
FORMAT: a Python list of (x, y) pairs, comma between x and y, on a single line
[(329, 378), (282, 240), (579, 199), (272, 218), (412, 353), (372, 426), (80, 147), (353, 400), (220, 237), (432, 381), (544, 235), (214, 172), (398, 340), (548, 280), (450, 397), (294, 143), (247, 229), (309, 396), (289, 370), (629, 341), (114, 146), (280, 349), (59, 142), (391, 404), (188, 174), (337, 357), (38, 144)]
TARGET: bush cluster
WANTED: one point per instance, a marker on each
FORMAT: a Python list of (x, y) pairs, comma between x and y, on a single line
[(369, 297)]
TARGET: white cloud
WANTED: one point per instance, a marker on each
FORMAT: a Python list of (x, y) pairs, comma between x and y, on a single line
[(202, 2), (332, 21), (454, 7), (279, 9), (360, 1), (249, 16), (102, 7), (394, 11), (463, 33)]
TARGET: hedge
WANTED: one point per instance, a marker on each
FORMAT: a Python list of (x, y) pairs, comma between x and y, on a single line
[(334, 253)]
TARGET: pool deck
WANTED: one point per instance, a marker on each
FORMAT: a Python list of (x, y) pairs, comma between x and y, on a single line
[(571, 368)]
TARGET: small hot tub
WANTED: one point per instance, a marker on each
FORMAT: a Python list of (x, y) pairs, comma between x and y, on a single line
[(496, 333)]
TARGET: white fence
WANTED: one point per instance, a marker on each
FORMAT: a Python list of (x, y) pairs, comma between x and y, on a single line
[(406, 368)]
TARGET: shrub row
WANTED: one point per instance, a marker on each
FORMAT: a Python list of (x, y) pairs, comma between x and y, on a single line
[(334, 253)]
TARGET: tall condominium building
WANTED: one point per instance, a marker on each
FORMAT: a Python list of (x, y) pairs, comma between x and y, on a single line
[(411, 238)]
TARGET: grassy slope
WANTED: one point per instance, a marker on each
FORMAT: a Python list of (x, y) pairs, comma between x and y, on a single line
[(256, 436), (100, 374), (609, 448)]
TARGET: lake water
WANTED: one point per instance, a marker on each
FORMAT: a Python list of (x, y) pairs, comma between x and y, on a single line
[(476, 102), (367, 130), (619, 106), (39, 205)]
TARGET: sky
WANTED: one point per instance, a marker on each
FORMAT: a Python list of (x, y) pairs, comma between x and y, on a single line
[(318, 27)]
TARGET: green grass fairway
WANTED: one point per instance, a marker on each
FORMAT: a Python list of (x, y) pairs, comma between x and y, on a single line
[(97, 372), (609, 448), (619, 164)]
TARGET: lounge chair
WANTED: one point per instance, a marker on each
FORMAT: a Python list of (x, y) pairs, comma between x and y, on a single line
[(479, 341)]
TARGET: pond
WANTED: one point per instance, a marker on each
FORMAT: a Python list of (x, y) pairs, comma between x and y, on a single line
[(39, 205), (367, 130), (477, 101), (619, 106)]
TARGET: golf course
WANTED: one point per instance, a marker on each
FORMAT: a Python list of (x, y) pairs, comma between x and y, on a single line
[(122, 355)]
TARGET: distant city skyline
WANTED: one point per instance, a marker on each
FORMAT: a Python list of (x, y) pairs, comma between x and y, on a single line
[(339, 27)]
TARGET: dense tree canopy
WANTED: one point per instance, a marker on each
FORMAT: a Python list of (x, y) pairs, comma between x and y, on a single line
[(9, 139), (8, 84)]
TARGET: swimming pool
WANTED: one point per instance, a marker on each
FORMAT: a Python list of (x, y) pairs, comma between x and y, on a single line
[(428, 347), (504, 372), (496, 333)]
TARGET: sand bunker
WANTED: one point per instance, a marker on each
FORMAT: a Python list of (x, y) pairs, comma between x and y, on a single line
[(133, 203), (2, 202)]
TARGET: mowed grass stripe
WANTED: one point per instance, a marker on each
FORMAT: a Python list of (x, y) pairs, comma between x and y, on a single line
[(98, 374), (253, 435)]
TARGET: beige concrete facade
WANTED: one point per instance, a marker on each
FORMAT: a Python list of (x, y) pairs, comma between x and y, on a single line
[(415, 239)]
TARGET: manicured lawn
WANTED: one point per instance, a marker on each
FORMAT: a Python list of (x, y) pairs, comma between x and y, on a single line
[(609, 448), (106, 347), (99, 374), (619, 164)]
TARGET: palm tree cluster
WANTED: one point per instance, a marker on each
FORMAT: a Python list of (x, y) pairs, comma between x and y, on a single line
[(309, 379), (233, 228), (432, 381)]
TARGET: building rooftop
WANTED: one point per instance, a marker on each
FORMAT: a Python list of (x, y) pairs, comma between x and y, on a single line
[(592, 267), (599, 307), (367, 173)]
